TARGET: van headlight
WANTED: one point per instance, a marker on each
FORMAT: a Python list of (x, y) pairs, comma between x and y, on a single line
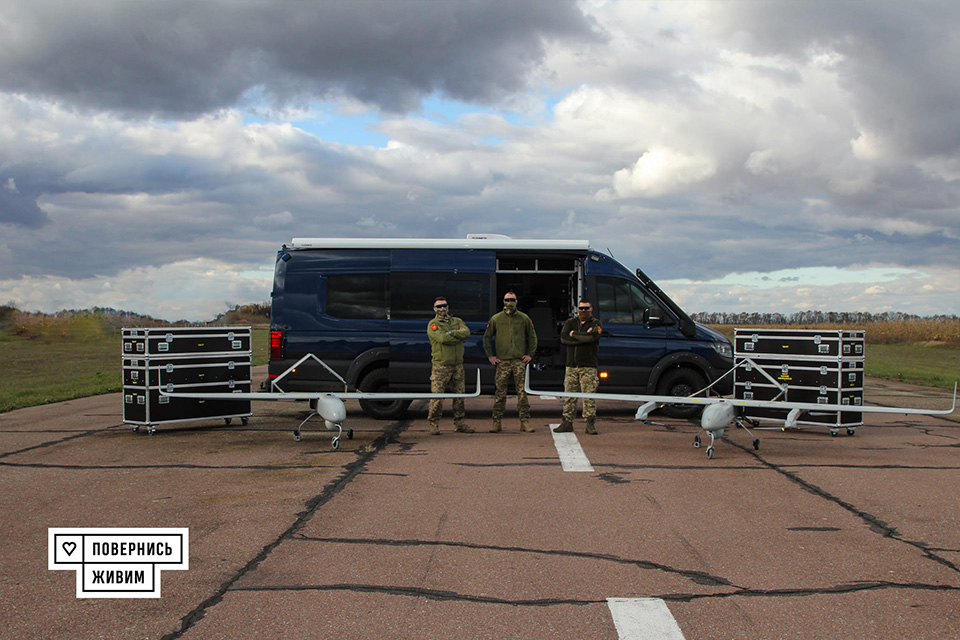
[(725, 349)]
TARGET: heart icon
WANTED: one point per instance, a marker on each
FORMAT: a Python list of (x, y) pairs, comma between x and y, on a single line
[(69, 547)]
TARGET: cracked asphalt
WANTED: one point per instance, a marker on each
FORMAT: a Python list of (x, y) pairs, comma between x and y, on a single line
[(400, 534)]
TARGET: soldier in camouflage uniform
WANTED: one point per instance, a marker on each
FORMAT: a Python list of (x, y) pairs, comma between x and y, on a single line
[(581, 334), (516, 343), (446, 334)]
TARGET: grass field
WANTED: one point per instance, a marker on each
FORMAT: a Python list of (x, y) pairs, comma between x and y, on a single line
[(78, 357), (81, 360), (931, 365)]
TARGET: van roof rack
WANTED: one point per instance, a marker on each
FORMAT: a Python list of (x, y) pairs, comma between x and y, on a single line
[(472, 241)]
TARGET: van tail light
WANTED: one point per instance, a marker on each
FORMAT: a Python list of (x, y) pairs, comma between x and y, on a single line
[(276, 345)]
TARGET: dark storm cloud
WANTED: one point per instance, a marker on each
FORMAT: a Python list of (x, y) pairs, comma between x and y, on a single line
[(183, 58), (18, 204)]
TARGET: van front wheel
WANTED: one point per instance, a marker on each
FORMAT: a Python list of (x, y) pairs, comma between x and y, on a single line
[(681, 382), (378, 381)]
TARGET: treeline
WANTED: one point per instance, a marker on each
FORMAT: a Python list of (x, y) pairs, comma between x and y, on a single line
[(109, 317), (68, 323), (244, 314), (813, 317)]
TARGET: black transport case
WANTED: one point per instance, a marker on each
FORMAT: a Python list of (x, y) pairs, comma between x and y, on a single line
[(185, 360), (815, 366)]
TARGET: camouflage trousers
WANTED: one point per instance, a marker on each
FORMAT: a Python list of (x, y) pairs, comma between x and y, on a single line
[(440, 377), (507, 369), (580, 380)]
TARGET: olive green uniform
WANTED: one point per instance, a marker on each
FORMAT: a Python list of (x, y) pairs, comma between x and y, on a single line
[(446, 342), (515, 338)]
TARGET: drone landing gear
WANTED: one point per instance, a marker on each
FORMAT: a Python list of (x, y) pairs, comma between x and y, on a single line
[(697, 442), (754, 439), (335, 443)]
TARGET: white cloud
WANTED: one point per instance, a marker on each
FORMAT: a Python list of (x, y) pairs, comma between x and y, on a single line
[(875, 288), (194, 290), (280, 220), (694, 139), (662, 171)]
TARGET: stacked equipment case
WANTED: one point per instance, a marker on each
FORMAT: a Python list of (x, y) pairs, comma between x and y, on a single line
[(816, 366), (185, 360)]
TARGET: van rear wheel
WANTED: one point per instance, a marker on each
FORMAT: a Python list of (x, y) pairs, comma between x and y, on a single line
[(378, 381), (681, 382)]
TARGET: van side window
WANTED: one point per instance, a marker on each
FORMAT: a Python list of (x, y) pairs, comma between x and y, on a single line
[(621, 302), (412, 295), (362, 296)]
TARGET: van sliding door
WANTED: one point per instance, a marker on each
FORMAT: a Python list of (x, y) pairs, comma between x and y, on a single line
[(417, 277)]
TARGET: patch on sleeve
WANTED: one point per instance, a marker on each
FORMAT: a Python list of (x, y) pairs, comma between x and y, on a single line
[(433, 326)]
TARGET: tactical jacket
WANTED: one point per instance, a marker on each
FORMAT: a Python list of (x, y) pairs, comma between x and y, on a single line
[(446, 339), (583, 347), (515, 336)]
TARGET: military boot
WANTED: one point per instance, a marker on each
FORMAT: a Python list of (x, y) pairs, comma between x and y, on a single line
[(592, 426), (525, 426), (463, 428), (496, 427), (565, 427), (434, 429)]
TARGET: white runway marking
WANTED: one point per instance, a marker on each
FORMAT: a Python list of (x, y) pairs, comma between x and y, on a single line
[(572, 457), (643, 619)]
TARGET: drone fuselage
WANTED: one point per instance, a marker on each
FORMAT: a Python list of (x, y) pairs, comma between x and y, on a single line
[(331, 410), (717, 417)]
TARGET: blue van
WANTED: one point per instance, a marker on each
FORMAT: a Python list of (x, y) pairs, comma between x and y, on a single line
[(362, 306)]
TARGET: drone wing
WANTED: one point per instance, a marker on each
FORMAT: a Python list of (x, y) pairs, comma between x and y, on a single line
[(654, 401), (314, 395)]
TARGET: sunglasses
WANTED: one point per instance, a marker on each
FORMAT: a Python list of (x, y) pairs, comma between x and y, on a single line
[(440, 306), (584, 308), (509, 299)]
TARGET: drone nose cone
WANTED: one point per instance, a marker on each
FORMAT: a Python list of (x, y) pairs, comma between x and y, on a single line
[(331, 409), (717, 416)]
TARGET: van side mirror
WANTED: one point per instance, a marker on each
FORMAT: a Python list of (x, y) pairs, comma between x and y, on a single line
[(653, 316)]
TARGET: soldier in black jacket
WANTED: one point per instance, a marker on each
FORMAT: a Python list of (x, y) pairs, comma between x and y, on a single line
[(581, 334)]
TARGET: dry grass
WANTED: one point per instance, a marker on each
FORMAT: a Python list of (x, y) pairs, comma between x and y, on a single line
[(927, 332), (921, 351)]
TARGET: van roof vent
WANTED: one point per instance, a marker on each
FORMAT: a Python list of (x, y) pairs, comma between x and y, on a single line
[(487, 236)]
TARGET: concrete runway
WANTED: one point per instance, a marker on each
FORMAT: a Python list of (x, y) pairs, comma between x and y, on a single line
[(400, 534)]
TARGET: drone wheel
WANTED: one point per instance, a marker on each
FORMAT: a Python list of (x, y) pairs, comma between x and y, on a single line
[(756, 444), (696, 442), (336, 443), (349, 434), (296, 436), (710, 452)]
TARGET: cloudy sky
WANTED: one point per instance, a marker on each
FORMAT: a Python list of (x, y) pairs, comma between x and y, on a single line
[(749, 155)]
